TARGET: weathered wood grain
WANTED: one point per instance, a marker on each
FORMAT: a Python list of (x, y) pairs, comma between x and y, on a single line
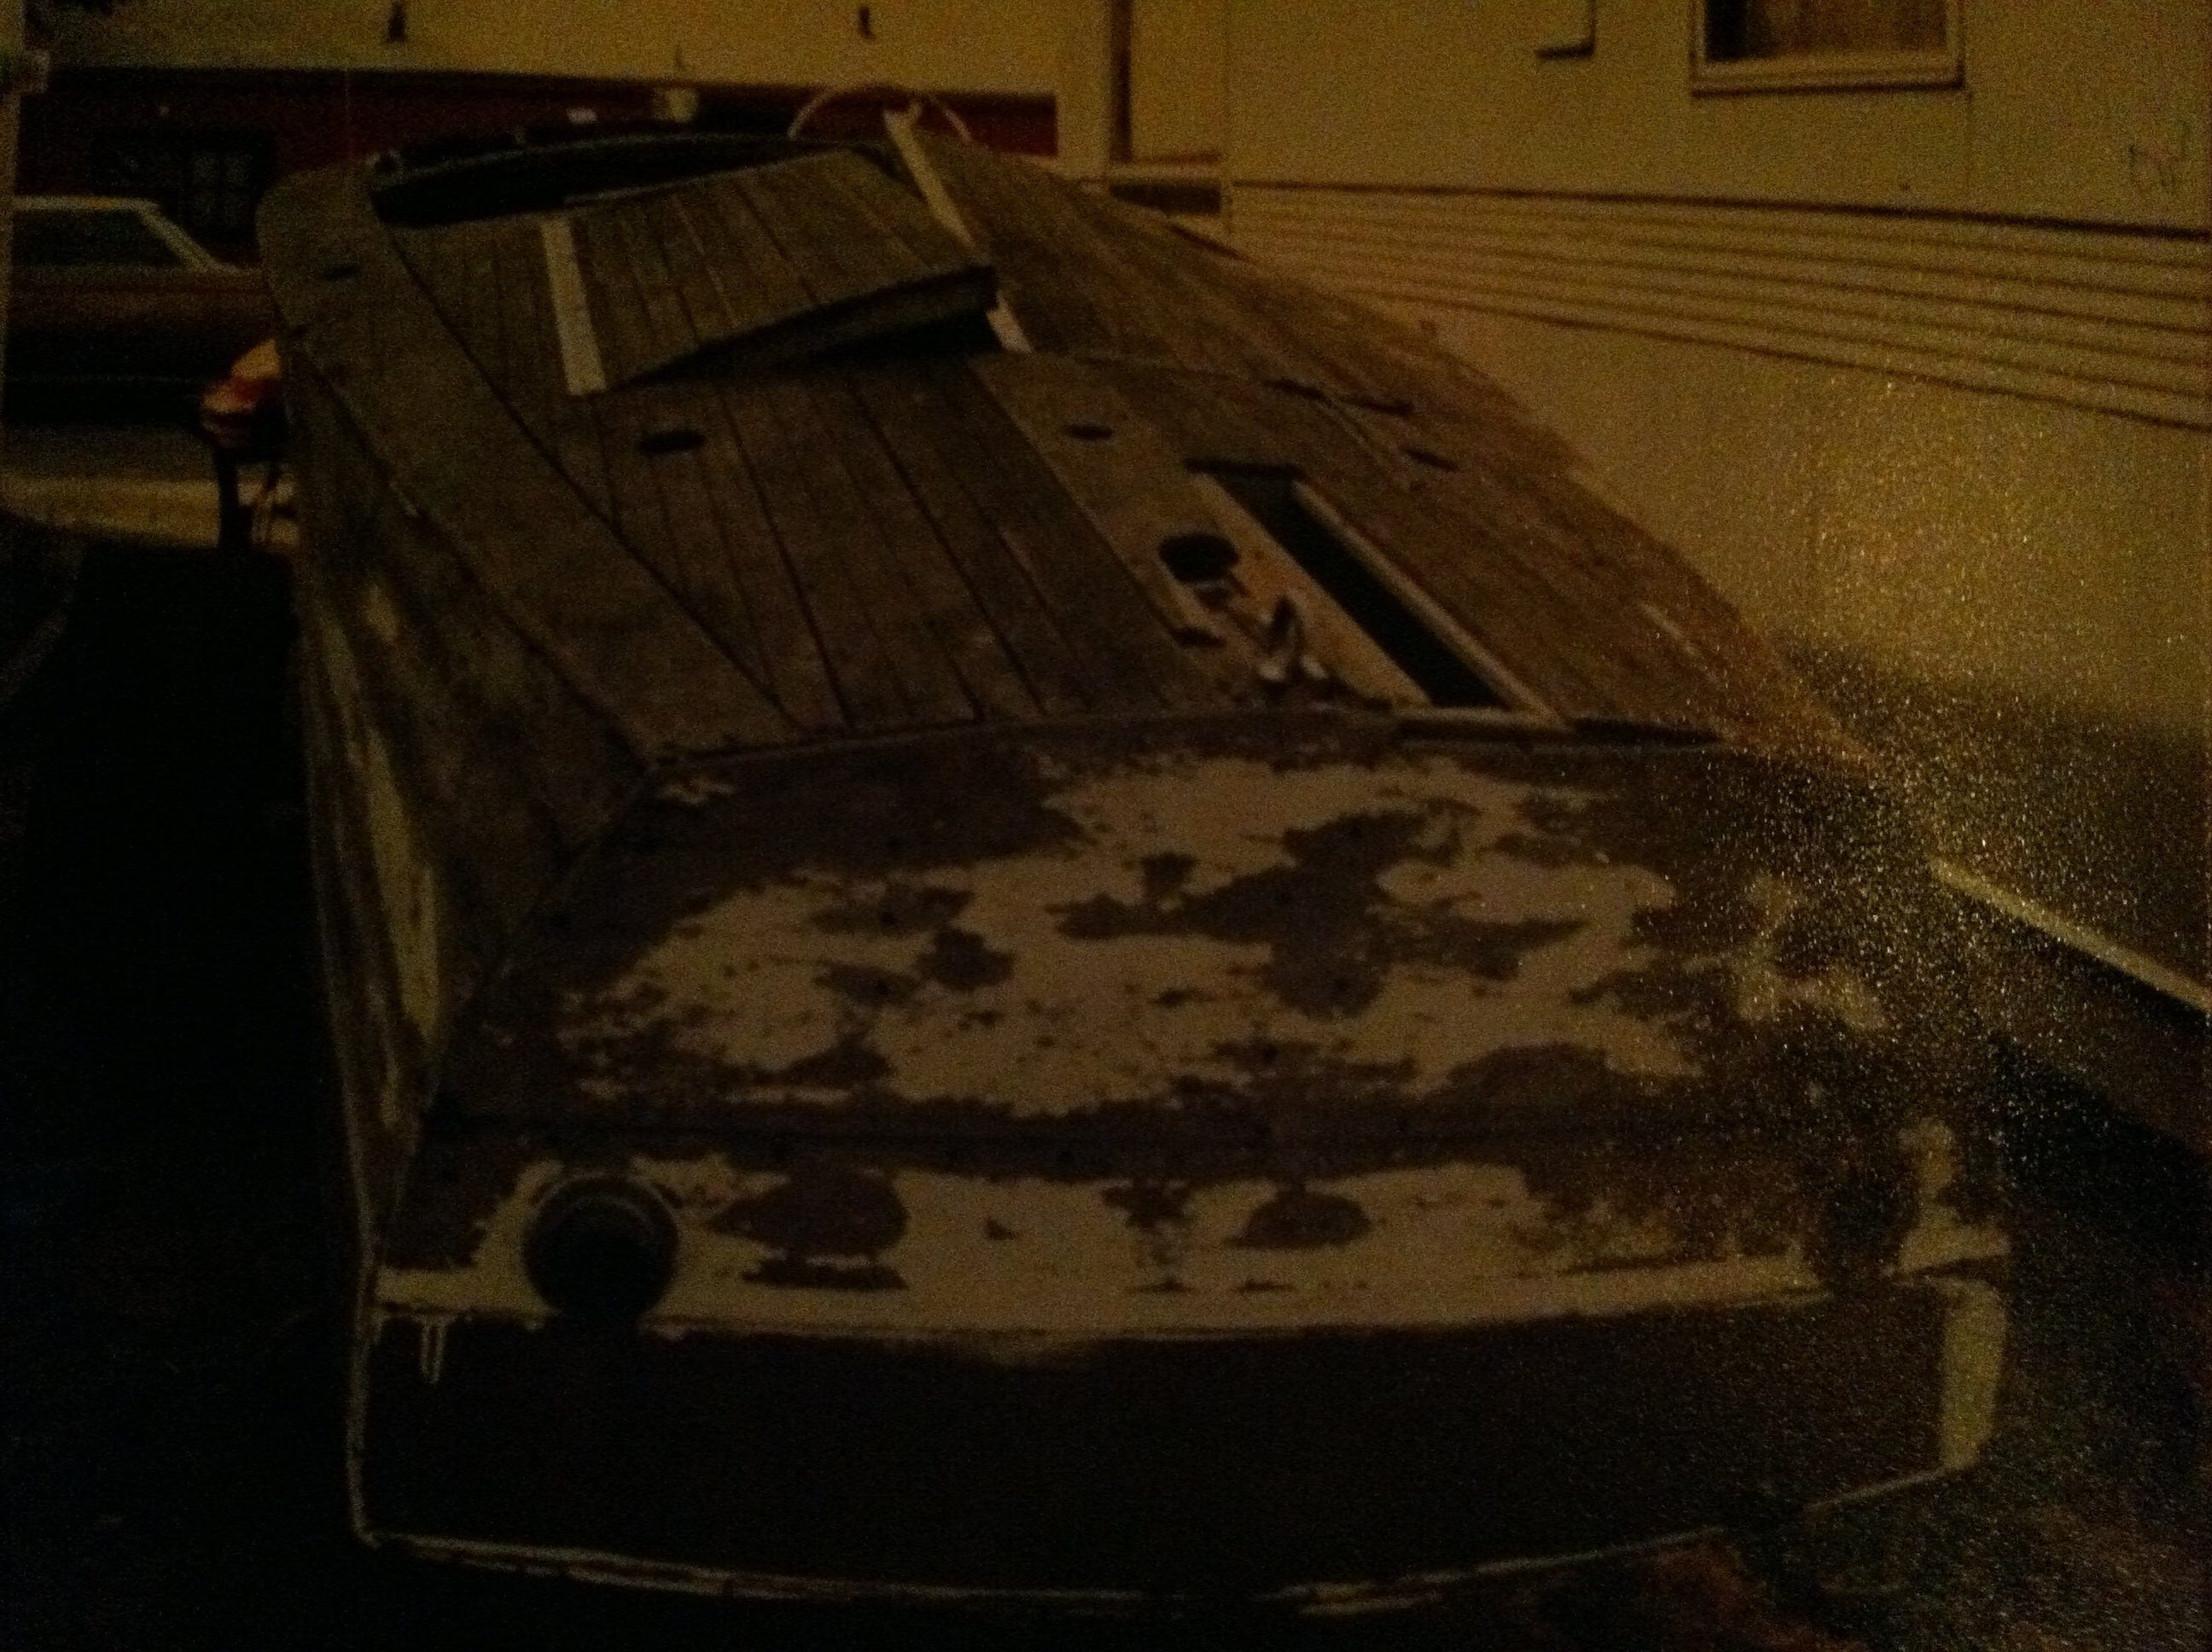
[(868, 681), (1103, 613), (900, 406), (925, 679), (1133, 490), (357, 319), (790, 651), (768, 265), (913, 550)]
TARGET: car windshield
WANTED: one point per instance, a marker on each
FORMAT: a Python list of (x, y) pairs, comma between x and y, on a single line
[(91, 235)]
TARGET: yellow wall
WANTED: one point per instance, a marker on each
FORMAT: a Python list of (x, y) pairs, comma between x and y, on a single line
[(993, 45), (1961, 467), (2067, 109)]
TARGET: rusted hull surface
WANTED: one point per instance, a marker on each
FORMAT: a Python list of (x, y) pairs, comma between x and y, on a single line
[(1397, 1155)]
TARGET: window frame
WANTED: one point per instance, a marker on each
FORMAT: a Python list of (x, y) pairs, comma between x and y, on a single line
[(1937, 69)]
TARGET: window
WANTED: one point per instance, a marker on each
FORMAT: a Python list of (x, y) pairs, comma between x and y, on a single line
[(1771, 45)]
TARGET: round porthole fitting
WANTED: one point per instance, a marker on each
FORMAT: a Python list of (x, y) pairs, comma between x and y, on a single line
[(601, 1251)]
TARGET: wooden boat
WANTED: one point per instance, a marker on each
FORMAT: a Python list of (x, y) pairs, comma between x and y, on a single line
[(1014, 913)]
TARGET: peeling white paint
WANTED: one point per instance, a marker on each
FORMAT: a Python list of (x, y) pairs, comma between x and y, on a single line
[(1942, 1237), (1051, 1266), (1764, 992), (1077, 1021)]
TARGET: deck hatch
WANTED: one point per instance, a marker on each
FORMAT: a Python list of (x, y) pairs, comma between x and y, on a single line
[(768, 265)]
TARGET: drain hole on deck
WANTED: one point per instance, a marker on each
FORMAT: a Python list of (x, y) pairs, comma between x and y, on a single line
[(1082, 430), (658, 442), (1435, 461), (342, 269), (1197, 558)]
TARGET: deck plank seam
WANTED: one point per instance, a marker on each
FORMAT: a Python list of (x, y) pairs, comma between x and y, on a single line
[(862, 679), (977, 655), (918, 665), (1063, 687), (785, 571)]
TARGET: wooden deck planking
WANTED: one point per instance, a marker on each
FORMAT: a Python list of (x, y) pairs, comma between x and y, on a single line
[(1137, 321), (769, 263), (699, 285), (910, 228), (1057, 312), (1513, 504), (623, 331), (1755, 687), (928, 682), (1207, 420), (943, 599), (1639, 668), (675, 334), (759, 283), (902, 409), (839, 250), (436, 260), (1669, 631), (489, 281), (352, 310), (1103, 613), (581, 444), (1238, 423), (671, 518), (1134, 489), (866, 680), (849, 544), (535, 387), (791, 652), (1209, 332), (1476, 564)]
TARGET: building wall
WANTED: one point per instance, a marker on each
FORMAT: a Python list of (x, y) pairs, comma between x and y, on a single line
[(2092, 113), (1921, 377), (158, 87), (982, 46)]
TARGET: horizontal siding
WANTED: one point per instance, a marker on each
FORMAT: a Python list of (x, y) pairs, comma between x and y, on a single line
[(2114, 320)]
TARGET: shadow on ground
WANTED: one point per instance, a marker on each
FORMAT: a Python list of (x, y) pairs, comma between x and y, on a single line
[(169, 1474)]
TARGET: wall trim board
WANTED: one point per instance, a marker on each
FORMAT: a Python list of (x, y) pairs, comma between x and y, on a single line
[(2138, 967), (2114, 320)]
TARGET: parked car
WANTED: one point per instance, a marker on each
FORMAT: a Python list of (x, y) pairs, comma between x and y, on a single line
[(113, 309)]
